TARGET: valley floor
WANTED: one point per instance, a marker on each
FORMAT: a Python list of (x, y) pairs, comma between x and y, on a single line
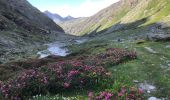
[(149, 71), (151, 66)]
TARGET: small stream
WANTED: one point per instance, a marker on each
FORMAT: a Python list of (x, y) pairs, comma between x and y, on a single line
[(58, 48)]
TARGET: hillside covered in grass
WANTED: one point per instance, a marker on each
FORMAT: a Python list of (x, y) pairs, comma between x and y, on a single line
[(121, 13)]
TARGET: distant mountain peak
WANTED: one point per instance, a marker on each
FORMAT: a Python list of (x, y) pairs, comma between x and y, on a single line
[(57, 18), (68, 17), (46, 11)]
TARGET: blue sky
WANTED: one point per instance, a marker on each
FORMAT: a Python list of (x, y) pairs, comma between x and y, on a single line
[(75, 8)]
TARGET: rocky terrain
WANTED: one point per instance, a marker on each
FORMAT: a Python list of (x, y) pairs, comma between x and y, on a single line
[(22, 26)]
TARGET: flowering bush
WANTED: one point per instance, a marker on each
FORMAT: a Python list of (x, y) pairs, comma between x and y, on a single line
[(110, 56), (52, 78), (64, 75), (56, 97), (123, 94), (1, 86), (29, 82), (81, 72), (114, 56)]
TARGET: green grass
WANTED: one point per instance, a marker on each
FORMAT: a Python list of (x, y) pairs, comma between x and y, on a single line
[(149, 67), (154, 10)]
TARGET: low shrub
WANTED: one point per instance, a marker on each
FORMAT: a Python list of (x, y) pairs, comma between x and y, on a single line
[(124, 94), (27, 83), (77, 73), (53, 78), (72, 74)]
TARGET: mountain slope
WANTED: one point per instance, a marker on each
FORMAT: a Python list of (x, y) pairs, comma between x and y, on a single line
[(23, 26), (20, 11), (153, 9), (122, 12), (103, 19)]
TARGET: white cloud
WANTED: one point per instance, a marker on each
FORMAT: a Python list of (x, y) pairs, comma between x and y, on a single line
[(87, 8)]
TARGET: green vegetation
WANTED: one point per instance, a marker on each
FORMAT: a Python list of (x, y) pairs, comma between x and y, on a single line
[(149, 67), (110, 65), (80, 72), (124, 12)]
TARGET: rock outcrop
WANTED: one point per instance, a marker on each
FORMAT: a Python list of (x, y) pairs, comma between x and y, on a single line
[(159, 37)]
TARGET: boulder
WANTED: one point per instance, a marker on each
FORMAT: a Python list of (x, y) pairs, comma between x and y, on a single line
[(168, 46), (159, 37)]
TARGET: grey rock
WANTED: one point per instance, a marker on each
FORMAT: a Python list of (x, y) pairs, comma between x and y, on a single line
[(168, 46), (80, 41), (147, 87), (159, 37), (168, 65), (135, 81)]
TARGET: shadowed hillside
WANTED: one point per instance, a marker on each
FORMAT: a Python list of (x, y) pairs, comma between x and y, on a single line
[(23, 25)]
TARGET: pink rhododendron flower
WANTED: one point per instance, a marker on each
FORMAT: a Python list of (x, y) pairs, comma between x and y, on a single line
[(72, 73), (66, 85), (120, 94), (90, 96), (140, 91)]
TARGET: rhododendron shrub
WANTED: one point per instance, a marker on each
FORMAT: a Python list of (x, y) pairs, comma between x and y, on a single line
[(53, 78), (72, 74), (78, 73), (29, 82), (110, 56), (123, 94), (114, 56)]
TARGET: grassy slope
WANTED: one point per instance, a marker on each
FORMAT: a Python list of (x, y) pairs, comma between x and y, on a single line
[(106, 18), (123, 12), (150, 67), (154, 10)]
